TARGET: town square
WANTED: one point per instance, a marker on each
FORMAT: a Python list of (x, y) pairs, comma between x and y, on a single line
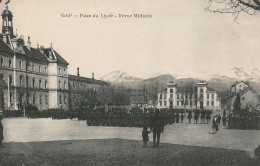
[(170, 83)]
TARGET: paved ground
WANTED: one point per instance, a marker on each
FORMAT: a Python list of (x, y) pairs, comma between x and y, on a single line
[(32, 130), (116, 152)]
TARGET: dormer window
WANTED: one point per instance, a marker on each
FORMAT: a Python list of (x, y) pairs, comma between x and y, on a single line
[(59, 70)]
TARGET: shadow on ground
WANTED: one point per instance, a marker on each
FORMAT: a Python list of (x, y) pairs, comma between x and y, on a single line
[(116, 152)]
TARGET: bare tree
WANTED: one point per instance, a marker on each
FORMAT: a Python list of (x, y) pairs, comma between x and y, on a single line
[(234, 7)]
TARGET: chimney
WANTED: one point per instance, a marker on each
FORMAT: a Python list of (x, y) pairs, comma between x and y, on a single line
[(29, 43), (93, 76), (42, 49), (78, 71)]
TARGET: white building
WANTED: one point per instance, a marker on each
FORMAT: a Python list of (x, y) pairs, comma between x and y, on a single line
[(199, 96)]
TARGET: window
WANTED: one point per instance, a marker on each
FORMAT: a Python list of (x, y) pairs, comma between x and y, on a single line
[(201, 96), (160, 96), (207, 96), (165, 103), (11, 97), (33, 82), (46, 99), (60, 99), (171, 96), (46, 84), (34, 98), (21, 80), (10, 62), (2, 61), (201, 90), (212, 96), (27, 81), (190, 103), (207, 103), (178, 103), (59, 70), (65, 99), (164, 96), (212, 103), (20, 64), (45, 70), (10, 80), (32, 67), (171, 90), (178, 96), (190, 96), (40, 99), (64, 70), (40, 83)]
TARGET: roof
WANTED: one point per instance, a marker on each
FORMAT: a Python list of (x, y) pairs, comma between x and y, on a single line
[(185, 89), (245, 90), (87, 80), (57, 56), (34, 53), (237, 82), (7, 12), (210, 89), (5, 47)]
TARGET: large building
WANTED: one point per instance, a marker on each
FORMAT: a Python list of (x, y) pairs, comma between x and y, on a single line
[(197, 97), (37, 76)]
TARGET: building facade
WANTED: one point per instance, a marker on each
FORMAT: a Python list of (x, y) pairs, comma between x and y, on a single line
[(197, 97), (37, 76), (248, 96)]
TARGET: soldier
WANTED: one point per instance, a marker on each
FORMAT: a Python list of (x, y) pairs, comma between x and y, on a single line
[(182, 117), (157, 126), (1, 131), (189, 117), (224, 120)]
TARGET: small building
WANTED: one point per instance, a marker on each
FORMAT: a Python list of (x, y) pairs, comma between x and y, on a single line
[(248, 96)]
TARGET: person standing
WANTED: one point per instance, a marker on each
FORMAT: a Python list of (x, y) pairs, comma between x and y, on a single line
[(1, 131), (157, 126), (182, 117), (189, 117)]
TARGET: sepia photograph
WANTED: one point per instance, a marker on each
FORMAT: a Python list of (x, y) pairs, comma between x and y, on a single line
[(129, 83)]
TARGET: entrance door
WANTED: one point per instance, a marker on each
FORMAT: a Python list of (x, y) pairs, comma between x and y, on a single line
[(201, 105)]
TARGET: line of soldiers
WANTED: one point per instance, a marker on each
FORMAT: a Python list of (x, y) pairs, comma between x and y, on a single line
[(202, 114), (246, 120)]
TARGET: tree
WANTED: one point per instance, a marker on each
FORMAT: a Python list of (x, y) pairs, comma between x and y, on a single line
[(237, 105), (235, 7)]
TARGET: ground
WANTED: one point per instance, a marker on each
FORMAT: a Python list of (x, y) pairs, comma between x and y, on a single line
[(72, 142)]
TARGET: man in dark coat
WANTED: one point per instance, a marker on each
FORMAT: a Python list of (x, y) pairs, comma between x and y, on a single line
[(157, 126), (1, 131)]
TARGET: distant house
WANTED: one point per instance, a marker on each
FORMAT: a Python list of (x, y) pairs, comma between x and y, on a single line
[(199, 96), (239, 86), (248, 96)]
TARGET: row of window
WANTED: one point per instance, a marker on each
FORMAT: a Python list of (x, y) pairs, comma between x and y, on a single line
[(181, 103), (40, 83), (34, 99), (212, 103), (21, 65)]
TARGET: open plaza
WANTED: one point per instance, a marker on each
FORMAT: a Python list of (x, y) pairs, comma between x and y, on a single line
[(63, 142)]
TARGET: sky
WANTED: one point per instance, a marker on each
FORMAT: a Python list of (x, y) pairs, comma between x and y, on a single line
[(180, 37)]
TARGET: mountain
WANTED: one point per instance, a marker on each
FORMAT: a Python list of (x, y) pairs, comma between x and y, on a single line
[(119, 77), (238, 73), (161, 79)]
